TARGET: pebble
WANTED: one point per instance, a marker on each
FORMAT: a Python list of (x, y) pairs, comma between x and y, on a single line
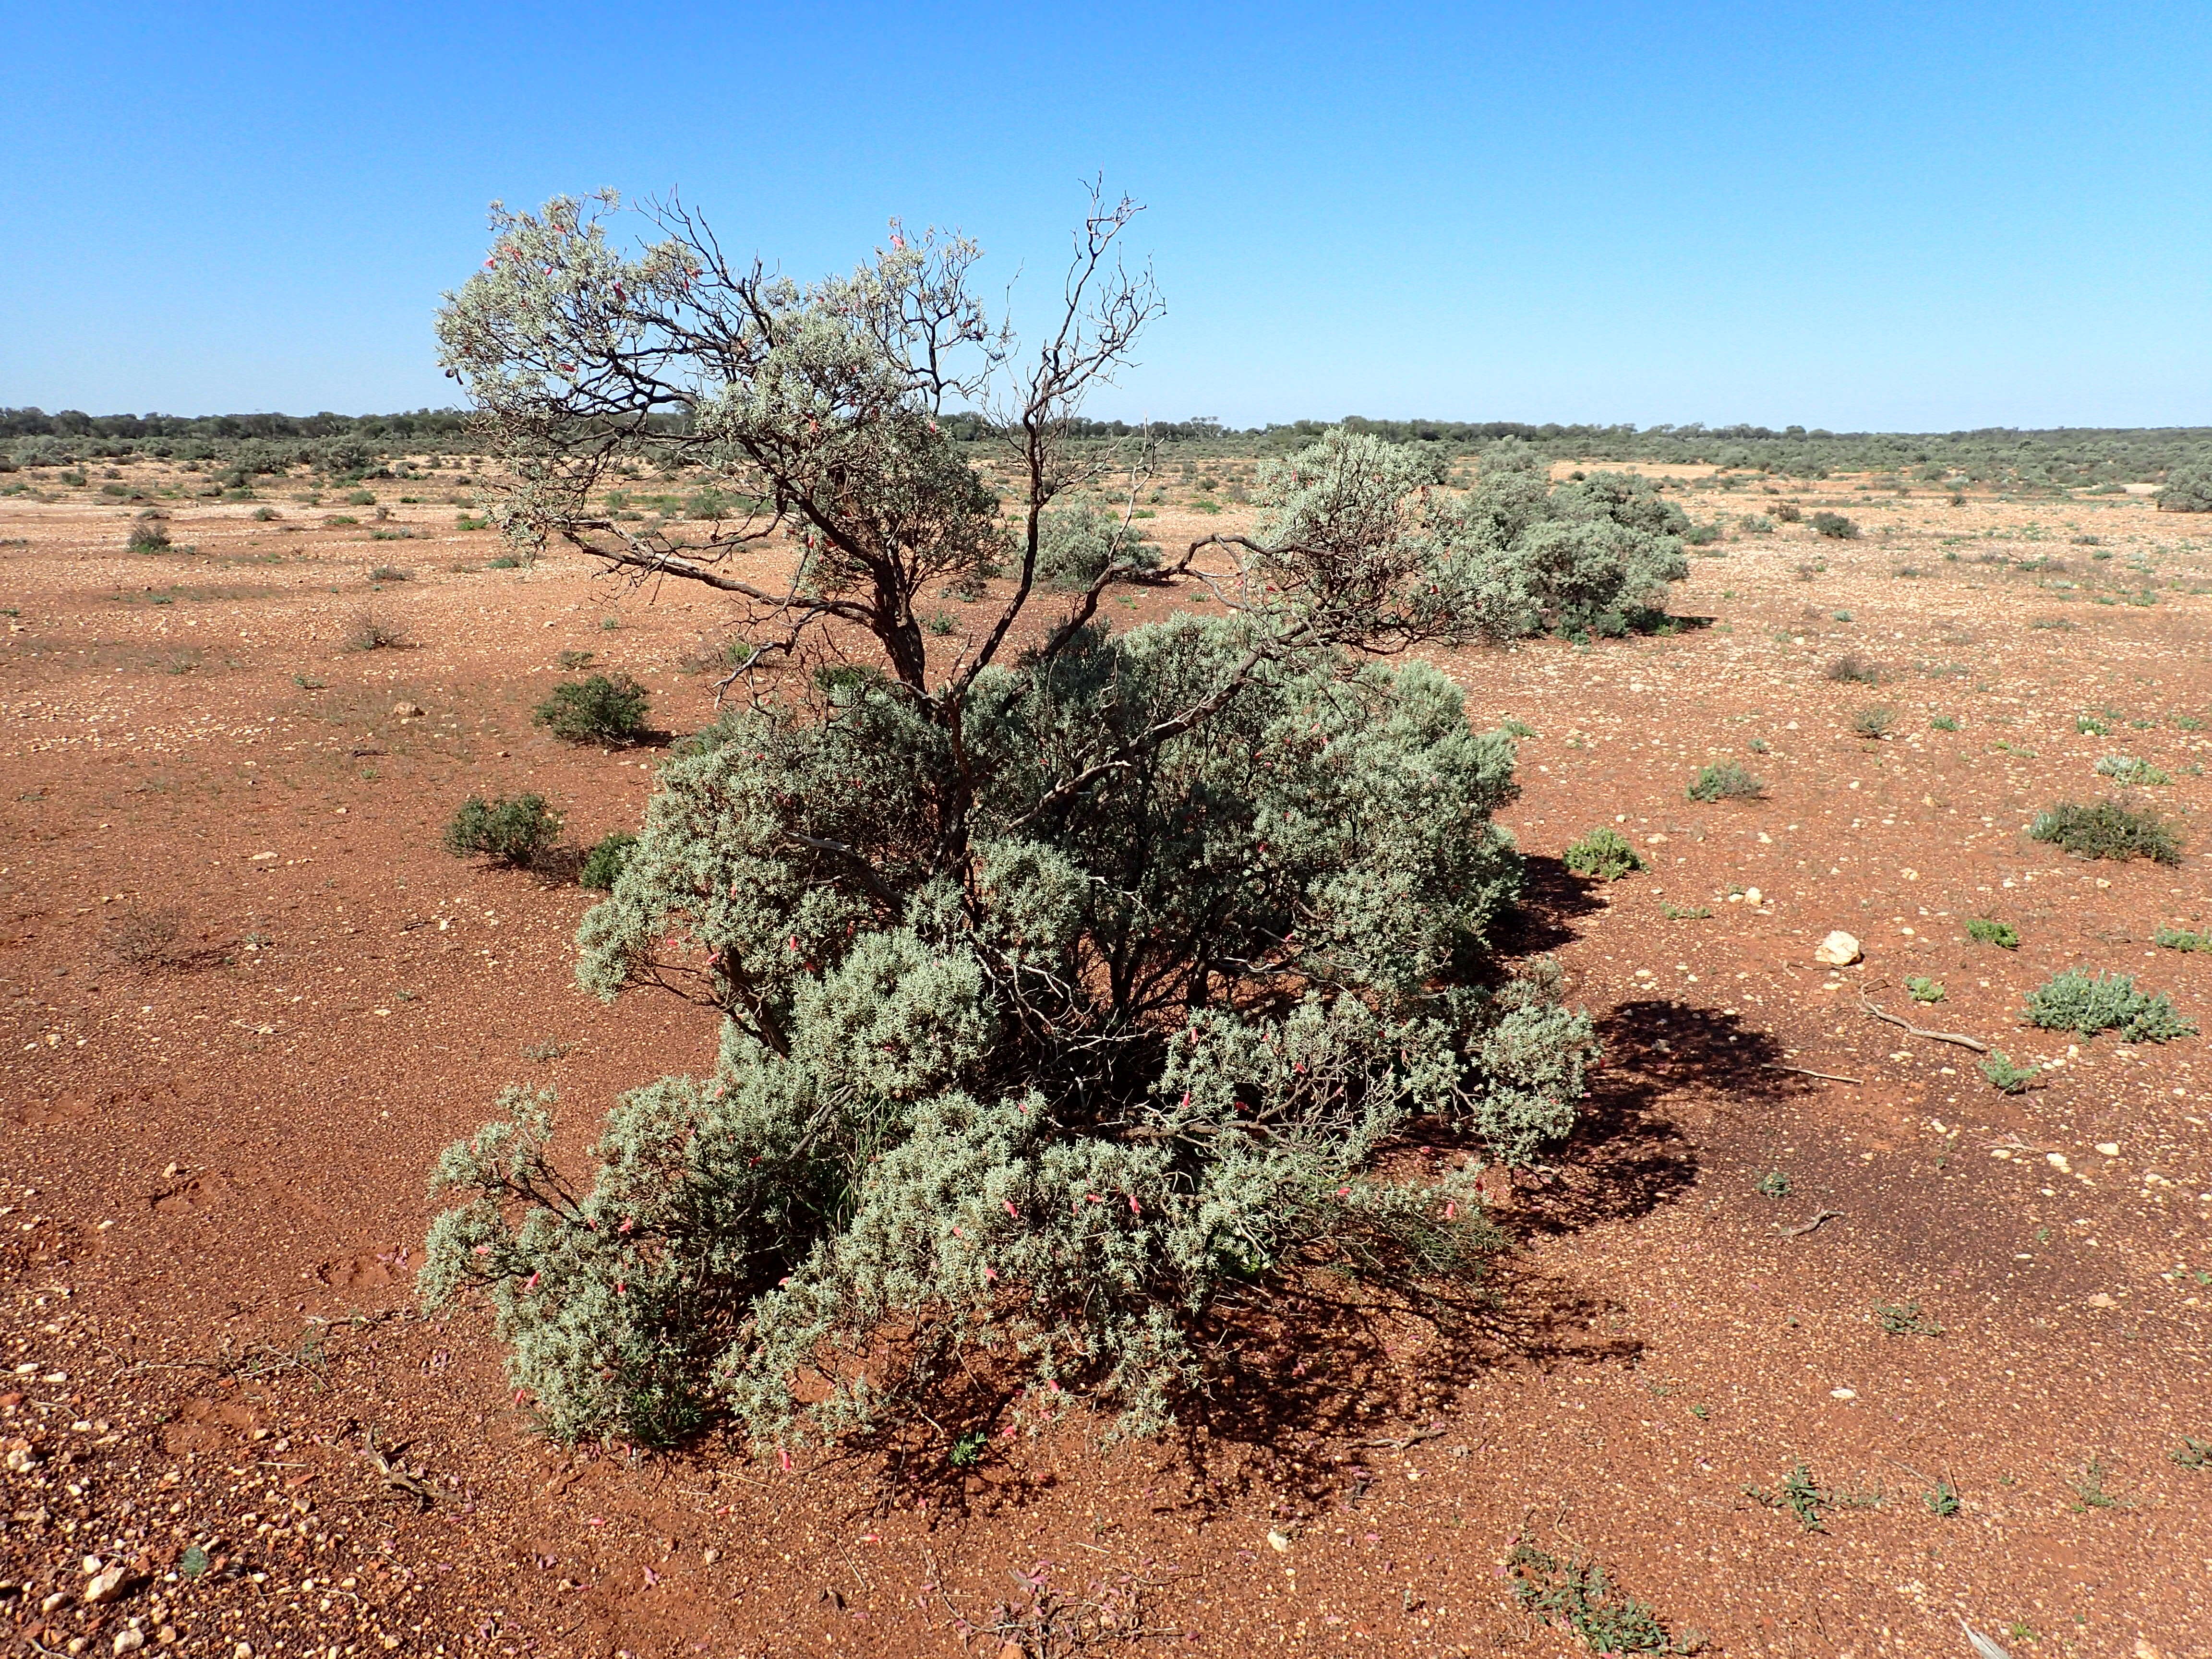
[(1838, 950)]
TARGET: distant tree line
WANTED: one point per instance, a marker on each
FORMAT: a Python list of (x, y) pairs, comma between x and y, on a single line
[(2062, 457)]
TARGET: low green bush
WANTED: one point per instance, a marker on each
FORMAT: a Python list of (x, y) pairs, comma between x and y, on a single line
[(1852, 669), (510, 830), (2128, 770), (1604, 854), (2076, 1001), (603, 863), (2005, 1076), (1833, 525), (147, 535), (1875, 722), (1725, 780), (2002, 934), (2181, 939), (2107, 830), (599, 709), (1924, 989)]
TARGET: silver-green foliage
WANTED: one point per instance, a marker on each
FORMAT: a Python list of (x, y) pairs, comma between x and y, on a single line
[(1074, 1002), (2090, 1003)]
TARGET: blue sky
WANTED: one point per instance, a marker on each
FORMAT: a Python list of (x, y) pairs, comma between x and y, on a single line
[(1873, 216)]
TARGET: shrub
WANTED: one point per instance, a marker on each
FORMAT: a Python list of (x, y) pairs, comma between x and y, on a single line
[(2107, 830), (1942, 723), (390, 573), (372, 631), (1788, 512), (2181, 938), (148, 536), (599, 709), (510, 830), (1079, 997), (266, 514), (603, 863), (2128, 770), (2188, 489), (2005, 1076), (1604, 854), (1852, 669), (1875, 722), (2002, 934), (360, 498), (1834, 525), (1076, 544), (2076, 1001), (1924, 989), (1725, 780)]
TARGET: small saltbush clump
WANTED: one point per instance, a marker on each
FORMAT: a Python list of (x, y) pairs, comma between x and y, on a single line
[(603, 863), (1076, 544), (2002, 934), (2076, 1001), (1833, 525), (510, 830), (1725, 780), (2107, 830), (2128, 770), (2005, 1076), (1604, 854), (148, 536), (2181, 938), (599, 709)]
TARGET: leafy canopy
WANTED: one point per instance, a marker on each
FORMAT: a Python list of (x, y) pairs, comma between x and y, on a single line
[(1077, 991)]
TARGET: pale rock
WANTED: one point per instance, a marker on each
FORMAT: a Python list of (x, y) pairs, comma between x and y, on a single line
[(407, 711), (106, 1585), (1838, 950), (1753, 896)]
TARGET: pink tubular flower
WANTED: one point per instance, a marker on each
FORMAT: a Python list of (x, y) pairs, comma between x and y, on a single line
[(1011, 1209), (1133, 1209), (990, 1273), (1451, 1208)]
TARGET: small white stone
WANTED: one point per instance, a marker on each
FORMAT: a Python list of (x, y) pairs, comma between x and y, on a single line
[(2108, 1148), (1842, 1394), (1279, 1542), (1838, 950), (1753, 896)]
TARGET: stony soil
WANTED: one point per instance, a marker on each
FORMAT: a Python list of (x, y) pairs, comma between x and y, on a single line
[(248, 998)]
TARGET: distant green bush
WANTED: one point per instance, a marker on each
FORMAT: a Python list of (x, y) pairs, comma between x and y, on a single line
[(599, 710), (1873, 722), (1075, 544), (148, 536), (1834, 525), (2076, 1001), (2188, 489), (603, 863), (513, 830), (1604, 854), (1725, 780), (2002, 934), (2181, 938), (1924, 989), (2129, 769), (2107, 830), (2008, 1078)]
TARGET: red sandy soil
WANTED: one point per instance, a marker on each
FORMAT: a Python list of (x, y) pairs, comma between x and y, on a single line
[(248, 999)]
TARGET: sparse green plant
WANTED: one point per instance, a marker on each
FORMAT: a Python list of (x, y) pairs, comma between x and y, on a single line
[(2092, 726), (1773, 1184), (148, 535), (1852, 669), (1513, 728), (2004, 1076), (545, 1051), (1905, 1319), (505, 561), (1873, 722), (1577, 1593), (1942, 1500), (266, 514), (601, 709), (1604, 854), (966, 1451), (2192, 1454), (1799, 1493), (1759, 746), (372, 630), (1673, 912), (572, 661), (339, 520), (2107, 830), (1844, 615), (942, 622), (603, 863), (390, 573), (2076, 1001), (360, 498), (2188, 723), (1943, 723), (1005, 1086), (509, 830), (1983, 931), (2089, 1490), (1788, 512), (1924, 989), (1725, 780), (2128, 770), (1834, 525), (2181, 938)]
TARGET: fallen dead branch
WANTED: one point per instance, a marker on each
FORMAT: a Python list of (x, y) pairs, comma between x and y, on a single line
[(1824, 1077), (1804, 1227), (1932, 1037)]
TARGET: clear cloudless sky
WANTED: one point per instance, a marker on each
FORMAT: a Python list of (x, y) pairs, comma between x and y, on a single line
[(1849, 215)]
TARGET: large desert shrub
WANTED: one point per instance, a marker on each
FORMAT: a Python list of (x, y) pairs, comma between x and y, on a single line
[(1074, 543), (1075, 1002), (597, 709), (2188, 489)]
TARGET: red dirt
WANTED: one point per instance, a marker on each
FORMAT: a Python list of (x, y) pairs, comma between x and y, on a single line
[(249, 1000)]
